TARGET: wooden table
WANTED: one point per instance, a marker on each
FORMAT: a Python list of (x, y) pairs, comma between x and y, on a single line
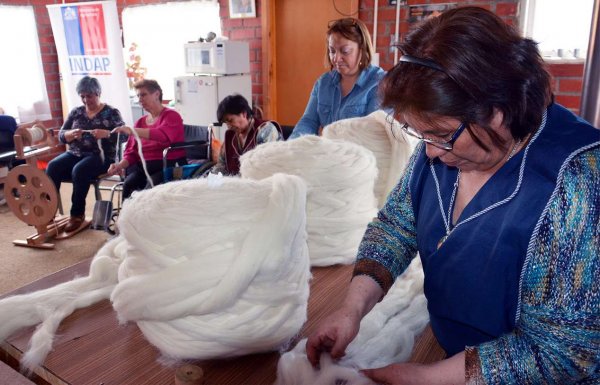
[(92, 348)]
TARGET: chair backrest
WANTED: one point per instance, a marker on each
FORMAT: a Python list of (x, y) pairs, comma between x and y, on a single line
[(8, 125), (197, 133), (121, 144), (286, 131)]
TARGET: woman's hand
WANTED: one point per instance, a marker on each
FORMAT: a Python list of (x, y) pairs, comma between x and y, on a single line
[(339, 329), (99, 133), (74, 134), (399, 374), (122, 130), (333, 335), (115, 168), (450, 371)]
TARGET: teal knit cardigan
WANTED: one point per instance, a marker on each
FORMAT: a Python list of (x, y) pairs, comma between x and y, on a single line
[(557, 336)]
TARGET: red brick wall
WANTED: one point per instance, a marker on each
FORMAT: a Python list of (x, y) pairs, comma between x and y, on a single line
[(249, 30), (49, 58), (568, 77), (386, 19)]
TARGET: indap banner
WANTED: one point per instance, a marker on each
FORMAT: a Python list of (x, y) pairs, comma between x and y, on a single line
[(88, 42)]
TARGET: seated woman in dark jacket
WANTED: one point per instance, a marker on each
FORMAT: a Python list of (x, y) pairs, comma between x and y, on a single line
[(91, 146), (244, 133)]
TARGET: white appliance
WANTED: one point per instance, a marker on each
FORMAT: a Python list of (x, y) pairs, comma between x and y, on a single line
[(197, 97), (217, 57)]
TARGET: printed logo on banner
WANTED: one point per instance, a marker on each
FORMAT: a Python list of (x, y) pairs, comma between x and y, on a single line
[(85, 34)]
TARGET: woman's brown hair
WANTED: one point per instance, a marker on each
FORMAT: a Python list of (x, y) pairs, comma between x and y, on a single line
[(356, 31), (484, 66), (150, 85)]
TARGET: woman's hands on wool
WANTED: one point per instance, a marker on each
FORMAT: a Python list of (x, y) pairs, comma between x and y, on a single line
[(99, 133), (333, 335), (336, 331), (122, 130), (78, 134), (74, 134)]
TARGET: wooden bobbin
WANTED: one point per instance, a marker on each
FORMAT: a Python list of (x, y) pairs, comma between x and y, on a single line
[(33, 135), (189, 375)]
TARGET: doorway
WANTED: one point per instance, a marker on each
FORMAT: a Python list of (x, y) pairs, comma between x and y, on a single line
[(294, 48)]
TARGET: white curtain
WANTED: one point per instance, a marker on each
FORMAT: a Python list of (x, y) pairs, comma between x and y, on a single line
[(23, 91), (561, 31), (159, 33)]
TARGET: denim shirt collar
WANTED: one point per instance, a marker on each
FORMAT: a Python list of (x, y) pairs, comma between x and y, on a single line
[(365, 73)]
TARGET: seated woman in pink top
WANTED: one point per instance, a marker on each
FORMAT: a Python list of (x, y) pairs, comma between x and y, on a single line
[(157, 130)]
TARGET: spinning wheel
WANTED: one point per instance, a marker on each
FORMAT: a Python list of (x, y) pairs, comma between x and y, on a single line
[(31, 195)]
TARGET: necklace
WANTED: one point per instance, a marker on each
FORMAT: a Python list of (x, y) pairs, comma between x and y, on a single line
[(447, 218)]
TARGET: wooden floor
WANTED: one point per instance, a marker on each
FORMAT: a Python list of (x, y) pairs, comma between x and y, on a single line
[(91, 348)]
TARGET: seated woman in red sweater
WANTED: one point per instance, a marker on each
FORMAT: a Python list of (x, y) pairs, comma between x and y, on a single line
[(157, 130), (243, 134)]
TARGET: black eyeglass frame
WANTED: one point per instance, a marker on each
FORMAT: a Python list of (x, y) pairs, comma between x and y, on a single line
[(444, 145)]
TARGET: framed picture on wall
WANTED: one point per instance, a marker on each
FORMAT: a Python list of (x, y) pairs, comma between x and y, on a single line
[(242, 8)]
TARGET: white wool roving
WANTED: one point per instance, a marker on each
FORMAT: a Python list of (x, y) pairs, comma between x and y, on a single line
[(47, 308), (294, 368), (205, 270), (217, 271), (340, 177), (386, 336), (374, 133)]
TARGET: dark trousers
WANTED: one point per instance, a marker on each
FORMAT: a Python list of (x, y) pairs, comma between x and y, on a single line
[(80, 171), (135, 178)]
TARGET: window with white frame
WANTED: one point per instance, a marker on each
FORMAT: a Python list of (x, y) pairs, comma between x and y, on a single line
[(23, 93), (154, 36), (561, 28)]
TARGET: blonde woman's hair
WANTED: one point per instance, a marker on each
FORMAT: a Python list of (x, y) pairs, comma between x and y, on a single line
[(356, 31)]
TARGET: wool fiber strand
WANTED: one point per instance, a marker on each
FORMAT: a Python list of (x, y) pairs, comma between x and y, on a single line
[(340, 201), (386, 335), (206, 271), (374, 132)]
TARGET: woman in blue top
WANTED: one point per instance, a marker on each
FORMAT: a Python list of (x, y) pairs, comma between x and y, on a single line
[(349, 89), (502, 202)]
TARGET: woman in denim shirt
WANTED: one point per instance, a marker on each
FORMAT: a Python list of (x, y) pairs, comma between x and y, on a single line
[(350, 89)]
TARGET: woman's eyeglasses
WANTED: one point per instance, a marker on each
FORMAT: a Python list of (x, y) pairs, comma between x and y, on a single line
[(447, 145), (439, 143)]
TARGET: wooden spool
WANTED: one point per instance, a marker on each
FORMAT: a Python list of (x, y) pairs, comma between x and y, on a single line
[(34, 135), (189, 375)]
